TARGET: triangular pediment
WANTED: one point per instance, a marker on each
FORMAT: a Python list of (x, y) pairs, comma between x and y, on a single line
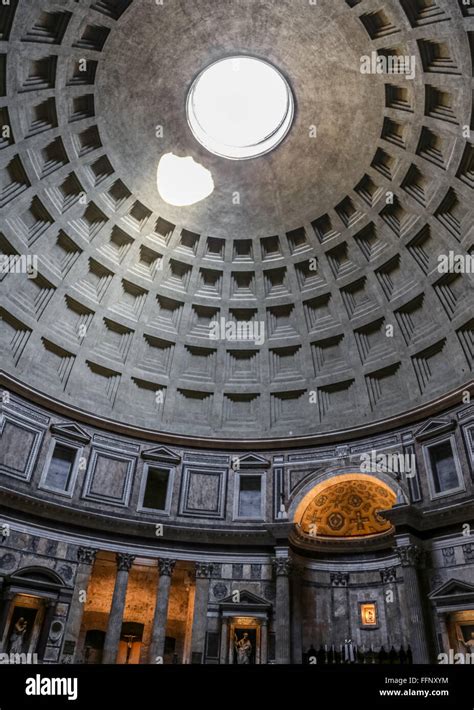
[(71, 431), (246, 599), (452, 589), (253, 461), (161, 453), (435, 427)]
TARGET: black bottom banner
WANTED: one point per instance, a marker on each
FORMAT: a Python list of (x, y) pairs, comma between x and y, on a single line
[(62, 686)]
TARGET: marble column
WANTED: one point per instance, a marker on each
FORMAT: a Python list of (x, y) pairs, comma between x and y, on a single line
[(282, 566), (264, 643), (224, 654), (158, 634), (296, 621), (203, 581), (189, 623), (86, 558), (114, 626), (444, 631), (50, 613), (7, 599), (411, 556)]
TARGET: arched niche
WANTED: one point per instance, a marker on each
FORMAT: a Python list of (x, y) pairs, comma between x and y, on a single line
[(347, 506)]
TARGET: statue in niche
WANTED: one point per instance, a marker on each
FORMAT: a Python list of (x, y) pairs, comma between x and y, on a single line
[(18, 635), (468, 641), (243, 648)]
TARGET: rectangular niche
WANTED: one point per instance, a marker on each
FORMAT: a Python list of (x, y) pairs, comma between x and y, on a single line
[(34, 297), (49, 28), (415, 319), (281, 321), (329, 355), (151, 395), (318, 313), (21, 443), (242, 284), (39, 74), (114, 341), (335, 399), (324, 229), (199, 364), (288, 407), (298, 241), (193, 406), (440, 104), (42, 117), (242, 366), (385, 386), (100, 170), (111, 8), (243, 250), (163, 231), (72, 319), (240, 411), (103, 381), (14, 181), (178, 275), (429, 365), (203, 493), (286, 364), (201, 319), (109, 477), (157, 355), (82, 73), (308, 275)]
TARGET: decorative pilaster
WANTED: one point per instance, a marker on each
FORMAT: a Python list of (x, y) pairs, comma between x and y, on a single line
[(158, 635), (203, 580), (264, 643), (411, 557), (341, 624), (86, 558), (296, 614), (114, 626), (224, 654), (282, 566), (392, 606)]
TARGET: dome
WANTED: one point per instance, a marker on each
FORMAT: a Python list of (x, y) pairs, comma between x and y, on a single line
[(301, 296)]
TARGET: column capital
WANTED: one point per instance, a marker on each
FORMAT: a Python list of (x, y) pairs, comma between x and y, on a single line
[(388, 575), (410, 555), (282, 566), (124, 561), (204, 570), (86, 555), (166, 566), (339, 579)]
